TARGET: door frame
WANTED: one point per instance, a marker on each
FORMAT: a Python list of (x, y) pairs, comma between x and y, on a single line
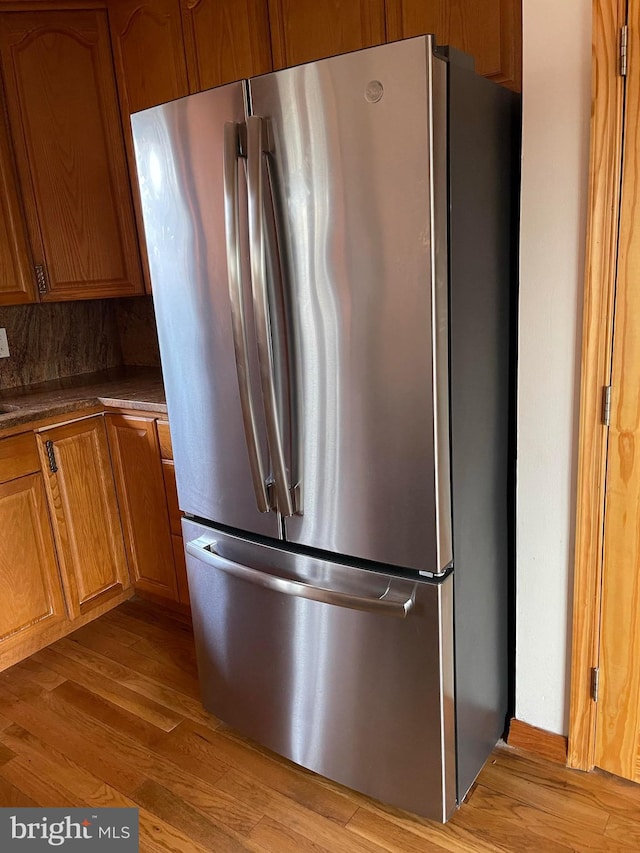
[(605, 166)]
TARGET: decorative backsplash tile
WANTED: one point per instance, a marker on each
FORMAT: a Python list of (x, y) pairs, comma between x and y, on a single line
[(137, 328), (59, 339)]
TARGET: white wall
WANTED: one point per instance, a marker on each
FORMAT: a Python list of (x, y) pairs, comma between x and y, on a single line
[(556, 110)]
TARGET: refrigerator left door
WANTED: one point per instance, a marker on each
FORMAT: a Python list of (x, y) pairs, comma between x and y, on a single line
[(193, 192)]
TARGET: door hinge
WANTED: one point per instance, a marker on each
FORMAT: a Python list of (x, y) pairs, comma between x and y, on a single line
[(52, 456), (41, 278), (606, 405), (624, 56), (595, 682)]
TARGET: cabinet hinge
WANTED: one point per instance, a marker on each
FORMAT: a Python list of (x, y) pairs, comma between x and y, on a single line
[(606, 405), (624, 56), (595, 682), (52, 456), (41, 278)]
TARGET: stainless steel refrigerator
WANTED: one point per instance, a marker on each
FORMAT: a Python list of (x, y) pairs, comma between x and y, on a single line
[(331, 258)]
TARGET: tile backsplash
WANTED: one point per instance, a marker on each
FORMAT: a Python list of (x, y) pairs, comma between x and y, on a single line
[(58, 339)]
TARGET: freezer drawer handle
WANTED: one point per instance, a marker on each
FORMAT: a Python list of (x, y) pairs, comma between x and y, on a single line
[(239, 325), (392, 602)]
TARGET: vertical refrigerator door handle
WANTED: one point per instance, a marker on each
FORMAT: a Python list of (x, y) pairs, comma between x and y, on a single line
[(240, 342), (256, 150)]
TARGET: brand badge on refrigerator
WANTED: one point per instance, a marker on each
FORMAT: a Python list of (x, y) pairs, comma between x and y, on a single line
[(373, 91)]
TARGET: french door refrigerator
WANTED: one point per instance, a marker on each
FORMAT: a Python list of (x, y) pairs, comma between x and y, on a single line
[(330, 249)]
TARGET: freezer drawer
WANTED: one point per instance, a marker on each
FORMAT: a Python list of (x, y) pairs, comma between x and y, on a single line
[(346, 671)]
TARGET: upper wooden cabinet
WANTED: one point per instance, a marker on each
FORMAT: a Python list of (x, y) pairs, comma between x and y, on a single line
[(148, 52), (17, 275), (65, 126), (488, 30), (86, 522), (225, 40), (304, 30)]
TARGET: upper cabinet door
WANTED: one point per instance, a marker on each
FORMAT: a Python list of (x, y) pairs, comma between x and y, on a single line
[(148, 52), (488, 30), (64, 119), (225, 40), (17, 283), (304, 30)]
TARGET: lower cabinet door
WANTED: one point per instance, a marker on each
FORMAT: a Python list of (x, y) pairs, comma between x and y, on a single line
[(31, 599), (136, 460), (86, 522)]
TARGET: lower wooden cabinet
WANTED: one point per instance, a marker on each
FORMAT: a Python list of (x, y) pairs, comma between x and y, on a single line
[(32, 598), (141, 493), (84, 509)]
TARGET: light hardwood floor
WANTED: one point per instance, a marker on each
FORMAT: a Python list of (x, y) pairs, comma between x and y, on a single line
[(110, 716)]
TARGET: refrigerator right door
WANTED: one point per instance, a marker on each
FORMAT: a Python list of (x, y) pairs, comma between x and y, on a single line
[(355, 151)]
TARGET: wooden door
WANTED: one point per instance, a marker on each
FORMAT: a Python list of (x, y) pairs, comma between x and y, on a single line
[(17, 274), (84, 508), (618, 708), (31, 599), (148, 52), (488, 30), (143, 504), (225, 40), (304, 30), (65, 125)]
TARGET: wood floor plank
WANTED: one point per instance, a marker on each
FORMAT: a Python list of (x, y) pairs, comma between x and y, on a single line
[(603, 791), (275, 837), (106, 630), (624, 830), (79, 787), (62, 734), (46, 792), (389, 834), (160, 670), (133, 755), (148, 611), (546, 796), (152, 688), (101, 685), (198, 746), (111, 715), (154, 642), (83, 787), (13, 797), (550, 832), (39, 674), (5, 754), (173, 810), (178, 636), (302, 819)]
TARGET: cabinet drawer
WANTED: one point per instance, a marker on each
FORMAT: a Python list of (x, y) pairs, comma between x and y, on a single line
[(164, 437), (18, 456)]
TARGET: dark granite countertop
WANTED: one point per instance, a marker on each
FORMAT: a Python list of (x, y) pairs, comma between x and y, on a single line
[(122, 387)]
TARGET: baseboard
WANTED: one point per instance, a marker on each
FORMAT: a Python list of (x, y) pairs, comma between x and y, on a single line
[(532, 739)]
